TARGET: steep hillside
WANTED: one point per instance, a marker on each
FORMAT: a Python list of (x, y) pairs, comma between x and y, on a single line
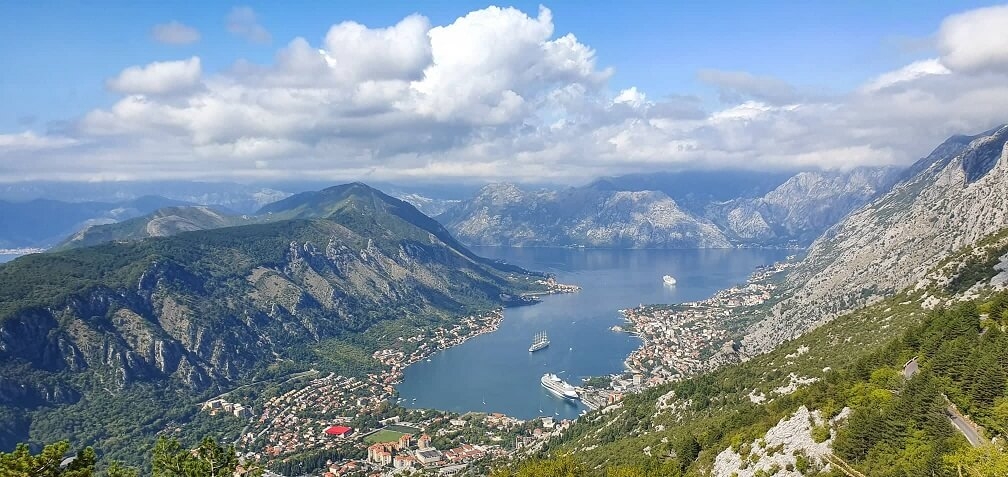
[(504, 214), (173, 318), (959, 196)]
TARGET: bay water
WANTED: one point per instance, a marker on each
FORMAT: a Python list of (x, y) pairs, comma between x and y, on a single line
[(495, 372)]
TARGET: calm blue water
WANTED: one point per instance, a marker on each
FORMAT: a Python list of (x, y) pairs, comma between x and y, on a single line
[(496, 373), (8, 257)]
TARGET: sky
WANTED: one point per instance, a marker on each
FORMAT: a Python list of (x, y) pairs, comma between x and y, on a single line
[(462, 91)]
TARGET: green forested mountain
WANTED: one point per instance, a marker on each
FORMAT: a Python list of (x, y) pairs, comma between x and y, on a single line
[(93, 338)]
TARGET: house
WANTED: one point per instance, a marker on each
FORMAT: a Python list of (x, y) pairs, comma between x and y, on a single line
[(428, 457), (424, 441), (404, 461), (404, 441), (339, 431), (452, 469)]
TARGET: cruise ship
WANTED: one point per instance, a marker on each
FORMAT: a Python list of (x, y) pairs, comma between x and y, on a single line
[(539, 342), (669, 280), (558, 387)]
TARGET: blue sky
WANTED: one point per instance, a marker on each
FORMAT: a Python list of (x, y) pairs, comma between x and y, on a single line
[(59, 55)]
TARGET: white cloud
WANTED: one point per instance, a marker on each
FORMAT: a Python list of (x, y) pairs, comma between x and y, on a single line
[(175, 33), (913, 71), (631, 96), (158, 78), (29, 141), (495, 94), (356, 52), (243, 22), (976, 40)]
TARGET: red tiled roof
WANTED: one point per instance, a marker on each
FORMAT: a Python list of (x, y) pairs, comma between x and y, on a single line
[(337, 430)]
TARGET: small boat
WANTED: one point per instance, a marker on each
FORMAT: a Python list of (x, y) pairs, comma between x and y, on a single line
[(669, 280)]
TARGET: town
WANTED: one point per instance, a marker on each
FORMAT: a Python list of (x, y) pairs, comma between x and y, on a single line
[(356, 425), (683, 340)]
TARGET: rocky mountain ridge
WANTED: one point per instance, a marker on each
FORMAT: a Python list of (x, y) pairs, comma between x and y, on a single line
[(958, 196), (603, 214), (504, 214)]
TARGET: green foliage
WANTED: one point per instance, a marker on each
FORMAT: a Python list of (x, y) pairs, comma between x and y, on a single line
[(47, 463), (985, 461), (209, 459)]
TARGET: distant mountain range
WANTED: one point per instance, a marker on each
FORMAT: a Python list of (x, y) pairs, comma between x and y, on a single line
[(44, 222), (684, 210)]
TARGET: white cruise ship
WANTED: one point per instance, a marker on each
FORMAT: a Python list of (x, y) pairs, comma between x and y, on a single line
[(669, 280), (558, 387)]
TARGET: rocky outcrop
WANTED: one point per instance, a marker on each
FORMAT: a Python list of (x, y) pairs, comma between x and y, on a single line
[(780, 450)]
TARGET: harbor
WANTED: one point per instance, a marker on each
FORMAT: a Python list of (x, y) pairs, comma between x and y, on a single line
[(495, 372)]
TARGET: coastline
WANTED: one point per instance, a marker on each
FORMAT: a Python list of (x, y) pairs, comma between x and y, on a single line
[(682, 340)]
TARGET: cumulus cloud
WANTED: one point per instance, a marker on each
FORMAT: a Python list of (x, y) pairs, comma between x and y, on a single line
[(976, 40), (496, 94), (175, 33), (243, 22), (158, 78)]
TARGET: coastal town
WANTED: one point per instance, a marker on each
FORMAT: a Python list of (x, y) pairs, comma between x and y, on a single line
[(686, 339), (359, 428)]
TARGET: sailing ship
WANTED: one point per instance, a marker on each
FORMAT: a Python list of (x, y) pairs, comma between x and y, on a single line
[(539, 342)]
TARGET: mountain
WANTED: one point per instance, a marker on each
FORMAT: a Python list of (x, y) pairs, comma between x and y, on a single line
[(591, 216), (694, 190), (428, 205), (800, 209), (40, 223), (160, 223), (166, 320), (243, 198), (761, 209), (959, 195)]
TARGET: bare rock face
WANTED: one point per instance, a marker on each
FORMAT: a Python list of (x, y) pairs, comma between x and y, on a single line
[(603, 215), (799, 210), (958, 196), (504, 214), (779, 450)]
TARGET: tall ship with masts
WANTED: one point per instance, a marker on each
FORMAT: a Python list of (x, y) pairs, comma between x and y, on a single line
[(539, 342)]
